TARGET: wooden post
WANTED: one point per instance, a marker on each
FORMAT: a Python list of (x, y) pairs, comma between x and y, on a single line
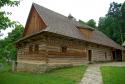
[(14, 66)]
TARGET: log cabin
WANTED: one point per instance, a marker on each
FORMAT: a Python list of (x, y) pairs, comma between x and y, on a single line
[(53, 40)]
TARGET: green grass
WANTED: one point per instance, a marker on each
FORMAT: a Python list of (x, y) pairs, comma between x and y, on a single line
[(113, 75), (70, 75)]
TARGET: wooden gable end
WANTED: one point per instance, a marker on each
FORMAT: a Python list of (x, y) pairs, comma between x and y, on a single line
[(34, 23), (87, 32)]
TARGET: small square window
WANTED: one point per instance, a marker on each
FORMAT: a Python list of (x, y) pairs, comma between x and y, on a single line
[(64, 49)]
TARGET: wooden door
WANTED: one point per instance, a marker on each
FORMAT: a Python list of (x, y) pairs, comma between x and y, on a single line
[(89, 55)]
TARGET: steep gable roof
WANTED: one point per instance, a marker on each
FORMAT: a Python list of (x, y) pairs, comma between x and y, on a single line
[(59, 24), (34, 23)]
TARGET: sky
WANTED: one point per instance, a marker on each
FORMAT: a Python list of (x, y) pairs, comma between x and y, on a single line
[(80, 9)]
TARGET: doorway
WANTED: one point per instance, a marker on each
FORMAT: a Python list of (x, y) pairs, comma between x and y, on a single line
[(117, 55), (89, 55), (113, 55)]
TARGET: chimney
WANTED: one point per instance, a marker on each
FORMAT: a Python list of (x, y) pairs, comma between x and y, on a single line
[(70, 17)]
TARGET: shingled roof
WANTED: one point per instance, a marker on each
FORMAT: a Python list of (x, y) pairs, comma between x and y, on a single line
[(59, 24)]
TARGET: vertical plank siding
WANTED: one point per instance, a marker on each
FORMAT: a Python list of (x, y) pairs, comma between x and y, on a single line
[(34, 23), (86, 32)]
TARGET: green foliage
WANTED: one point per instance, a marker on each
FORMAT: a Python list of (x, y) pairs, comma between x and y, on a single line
[(114, 10), (113, 23), (91, 23), (109, 26), (5, 22), (70, 75), (8, 2), (113, 75), (7, 47), (16, 33), (123, 10)]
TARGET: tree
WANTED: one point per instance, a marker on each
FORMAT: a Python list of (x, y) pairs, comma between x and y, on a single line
[(123, 20), (113, 23), (7, 47), (123, 10), (16, 33), (114, 10), (5, 22), (91, 23)]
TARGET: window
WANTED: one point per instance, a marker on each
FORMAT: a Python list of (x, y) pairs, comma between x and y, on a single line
[(64, 49), (36, 49), (31, 49)]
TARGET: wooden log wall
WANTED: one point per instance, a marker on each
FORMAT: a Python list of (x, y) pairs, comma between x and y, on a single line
[(24, 53), (100, 53), (75, 52)]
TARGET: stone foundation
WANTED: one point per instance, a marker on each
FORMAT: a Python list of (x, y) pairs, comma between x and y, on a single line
[(30, 67), (39, 67)]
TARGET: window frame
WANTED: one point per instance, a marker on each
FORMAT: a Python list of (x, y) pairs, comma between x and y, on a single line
[(64, 49)]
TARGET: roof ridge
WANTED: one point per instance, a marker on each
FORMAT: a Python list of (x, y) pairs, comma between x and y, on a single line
[(49, 10), (66, 17)]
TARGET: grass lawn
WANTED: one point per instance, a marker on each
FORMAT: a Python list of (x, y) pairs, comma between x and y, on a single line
[(70, 75), (113, 75)]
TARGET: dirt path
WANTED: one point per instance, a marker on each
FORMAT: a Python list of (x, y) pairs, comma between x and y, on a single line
[(93, 73)]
